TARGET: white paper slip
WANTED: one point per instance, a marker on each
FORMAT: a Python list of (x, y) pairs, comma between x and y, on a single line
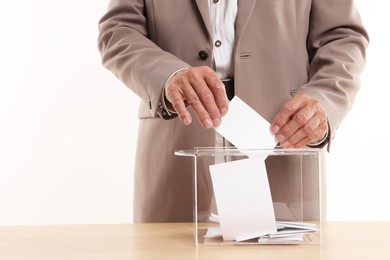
[(296, 225), (245, 128), (292, 229), (213, 232), (289, 232), (243, 198), (281, 240), (214, 218)]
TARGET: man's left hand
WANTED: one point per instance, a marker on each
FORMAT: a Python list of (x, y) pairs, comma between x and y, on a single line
[(301, 121)]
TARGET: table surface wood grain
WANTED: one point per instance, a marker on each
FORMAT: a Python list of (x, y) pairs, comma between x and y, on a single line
[(341, 240)]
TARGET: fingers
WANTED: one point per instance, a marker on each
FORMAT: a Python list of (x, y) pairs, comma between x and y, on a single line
[(204, 104), (287, 111), (300, 121), (318, 134), (200, 88), (219, 92), (176, 97)]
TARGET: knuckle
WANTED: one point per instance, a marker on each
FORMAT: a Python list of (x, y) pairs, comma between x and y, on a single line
[(287, 131), (301, 118), (284, 107), (218, 88), (294, 139), (277, 122), (205, 69), (223, 103), (305, 95), (180, 82), (176, 104), (202, 115), (214, 114), (193, 100), (206, 96), (202, 70), (302, 95), (175, 86), (308, 128), (282, 117), (317, 105), (192, 75)]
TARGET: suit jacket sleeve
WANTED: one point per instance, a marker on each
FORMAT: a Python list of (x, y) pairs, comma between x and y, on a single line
[(336, 44), (128, 52)]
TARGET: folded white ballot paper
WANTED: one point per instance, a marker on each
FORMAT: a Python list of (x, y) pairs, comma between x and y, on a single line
[(245, 128), (243, 199), (241, 188)]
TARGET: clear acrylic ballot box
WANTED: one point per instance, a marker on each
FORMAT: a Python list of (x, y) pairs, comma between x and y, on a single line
[(228, 203)]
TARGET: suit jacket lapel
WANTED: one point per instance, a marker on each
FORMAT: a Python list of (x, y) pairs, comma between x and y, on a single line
[(203, 6), (245, 8)]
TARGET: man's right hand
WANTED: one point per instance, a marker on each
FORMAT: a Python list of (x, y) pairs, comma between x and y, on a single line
[(200, 88)]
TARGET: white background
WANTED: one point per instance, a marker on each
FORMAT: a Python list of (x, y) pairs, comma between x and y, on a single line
[(68, 127)]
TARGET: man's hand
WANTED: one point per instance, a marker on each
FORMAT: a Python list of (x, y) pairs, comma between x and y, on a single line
[(200, 88), (300, 121)]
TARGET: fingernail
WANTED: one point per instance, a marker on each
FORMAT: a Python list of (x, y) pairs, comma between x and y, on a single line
[(207, 123), (280, 138), (187, 121), (275, 129), (285, 144), (217, 122), (224, 111)]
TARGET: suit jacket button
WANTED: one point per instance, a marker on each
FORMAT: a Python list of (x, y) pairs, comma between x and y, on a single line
[(203, 55)]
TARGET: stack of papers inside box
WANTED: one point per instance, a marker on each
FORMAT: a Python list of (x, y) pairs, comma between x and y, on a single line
[(287, 231)]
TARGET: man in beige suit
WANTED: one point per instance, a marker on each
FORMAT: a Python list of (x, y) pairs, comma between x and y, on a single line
[(296, 62)]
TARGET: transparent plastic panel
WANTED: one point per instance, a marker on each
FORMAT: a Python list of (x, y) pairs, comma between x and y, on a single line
[(294, 177)]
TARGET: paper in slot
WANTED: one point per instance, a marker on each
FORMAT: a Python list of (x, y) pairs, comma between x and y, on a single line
[(243, 199)]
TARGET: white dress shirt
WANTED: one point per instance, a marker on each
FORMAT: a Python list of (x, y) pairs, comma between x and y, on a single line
[(222, 18)]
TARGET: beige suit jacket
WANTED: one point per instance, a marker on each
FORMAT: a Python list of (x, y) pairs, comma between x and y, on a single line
[(281, 48)]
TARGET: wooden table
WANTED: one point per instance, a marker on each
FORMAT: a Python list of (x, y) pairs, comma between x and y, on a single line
[(341, 240)]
